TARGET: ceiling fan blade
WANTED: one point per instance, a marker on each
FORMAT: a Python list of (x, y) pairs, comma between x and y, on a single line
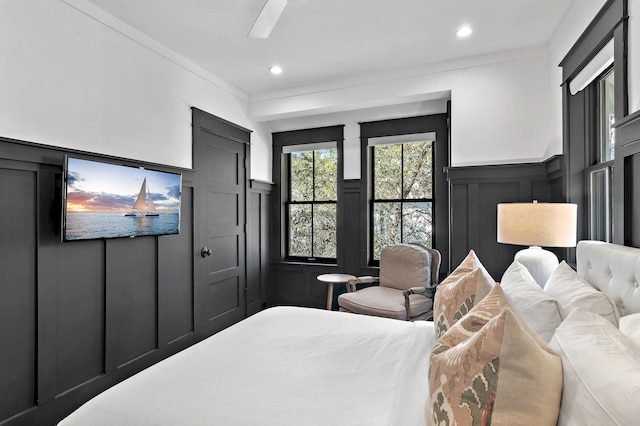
[(267, 18)]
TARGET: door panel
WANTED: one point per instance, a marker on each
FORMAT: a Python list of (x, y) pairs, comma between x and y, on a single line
[(225, 292), (219, 215)]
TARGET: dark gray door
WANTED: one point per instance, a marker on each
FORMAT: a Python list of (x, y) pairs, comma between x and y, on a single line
[(219, 151)]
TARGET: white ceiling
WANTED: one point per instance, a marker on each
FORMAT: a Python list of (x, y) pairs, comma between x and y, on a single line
[(319, 41)]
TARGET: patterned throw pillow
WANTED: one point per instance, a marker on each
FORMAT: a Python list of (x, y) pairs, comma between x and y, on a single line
[(459, 292), (490, 306), (503, 374), (467, 265)]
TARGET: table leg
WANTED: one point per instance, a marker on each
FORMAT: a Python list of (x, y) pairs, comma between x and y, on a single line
[(330, 297)]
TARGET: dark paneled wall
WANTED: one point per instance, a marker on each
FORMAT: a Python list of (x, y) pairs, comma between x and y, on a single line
[(260, 293), (626, 182), (78, 317), (475, 193)]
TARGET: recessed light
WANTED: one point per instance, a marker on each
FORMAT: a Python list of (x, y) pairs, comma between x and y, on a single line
[(275, 70), (464, 31)]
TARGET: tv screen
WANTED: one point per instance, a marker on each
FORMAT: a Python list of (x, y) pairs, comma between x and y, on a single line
[(105, 200)]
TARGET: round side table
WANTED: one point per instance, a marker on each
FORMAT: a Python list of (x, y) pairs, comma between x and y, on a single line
[(332, 279)]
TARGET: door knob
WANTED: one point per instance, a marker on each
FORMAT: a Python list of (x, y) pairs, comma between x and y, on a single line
[(205, 252)]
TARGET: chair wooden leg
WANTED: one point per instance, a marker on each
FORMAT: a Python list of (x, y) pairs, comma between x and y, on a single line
[(406, 306)]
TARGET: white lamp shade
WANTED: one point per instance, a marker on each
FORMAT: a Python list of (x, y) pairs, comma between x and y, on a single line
[(537, 224)]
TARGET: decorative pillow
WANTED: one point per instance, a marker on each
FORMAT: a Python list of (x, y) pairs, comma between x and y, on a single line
[(503, 374), (630, 327), (455, 299), (459, 292), (571, 292), (490, 306), (467, 265), (601, 371), (535, 307)]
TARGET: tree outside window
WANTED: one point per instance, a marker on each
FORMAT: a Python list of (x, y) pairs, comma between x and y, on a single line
[(402, 195), (311, 209)]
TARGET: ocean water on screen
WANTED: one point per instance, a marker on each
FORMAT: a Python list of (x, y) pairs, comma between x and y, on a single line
[(83, 225)]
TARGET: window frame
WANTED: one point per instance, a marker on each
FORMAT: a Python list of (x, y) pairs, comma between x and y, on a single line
[(610, 23), (373, 201), (595, 164), (437, 123), (288, 203), (281, 142)]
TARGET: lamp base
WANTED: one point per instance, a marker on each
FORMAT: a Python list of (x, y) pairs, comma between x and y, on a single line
[(540, 263)]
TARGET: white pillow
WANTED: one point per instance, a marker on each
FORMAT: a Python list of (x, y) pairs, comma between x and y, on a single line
[(600, 370), (571, 291), (630, 327), (535, 307)]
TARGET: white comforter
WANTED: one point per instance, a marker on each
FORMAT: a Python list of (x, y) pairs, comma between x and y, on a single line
[(282, 366)]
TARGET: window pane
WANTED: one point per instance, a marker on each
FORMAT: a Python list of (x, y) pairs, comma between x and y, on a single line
[(300, 230), (387, 172), (599, 203), (324, 230), (301, 166), (417, 170), (417, 223), (386, 226), (326, 164), (607, 117)]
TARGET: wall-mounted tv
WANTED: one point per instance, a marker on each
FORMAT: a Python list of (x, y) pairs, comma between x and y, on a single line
[(107, 200)]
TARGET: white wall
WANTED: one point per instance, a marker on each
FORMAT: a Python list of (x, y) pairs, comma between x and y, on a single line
[(74, 77), (500, 110), (573, 24)]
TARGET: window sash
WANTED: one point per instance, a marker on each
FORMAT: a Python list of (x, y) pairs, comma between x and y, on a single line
[(606, 117), (313, 203), (599, 200), (402, 201)]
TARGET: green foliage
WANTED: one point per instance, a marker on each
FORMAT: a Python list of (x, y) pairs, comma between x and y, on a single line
[(300, 228), (301, 168)]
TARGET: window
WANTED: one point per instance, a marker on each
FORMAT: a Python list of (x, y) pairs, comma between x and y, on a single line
[(607, 118), (402, 195), (311, 205), (599, 173)]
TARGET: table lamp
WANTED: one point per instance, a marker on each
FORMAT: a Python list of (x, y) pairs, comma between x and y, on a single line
[(536, 225)]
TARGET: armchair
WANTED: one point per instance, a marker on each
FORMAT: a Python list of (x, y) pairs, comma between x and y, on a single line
[(407, 282)]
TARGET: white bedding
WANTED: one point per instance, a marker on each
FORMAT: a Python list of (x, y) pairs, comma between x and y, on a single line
[(282, 366)]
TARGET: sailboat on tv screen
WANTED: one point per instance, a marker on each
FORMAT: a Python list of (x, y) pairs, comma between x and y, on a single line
[(143, 207)]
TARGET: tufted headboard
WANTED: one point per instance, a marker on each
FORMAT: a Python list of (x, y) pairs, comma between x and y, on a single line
[(612, 269)]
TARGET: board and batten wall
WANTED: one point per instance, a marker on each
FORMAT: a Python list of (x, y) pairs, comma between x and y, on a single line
[(78, 317)]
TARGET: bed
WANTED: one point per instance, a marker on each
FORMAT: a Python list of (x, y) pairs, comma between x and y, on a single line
[(292, 366)]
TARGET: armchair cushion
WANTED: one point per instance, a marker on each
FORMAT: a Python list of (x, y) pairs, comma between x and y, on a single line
[(384, 302), (403, 266)]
